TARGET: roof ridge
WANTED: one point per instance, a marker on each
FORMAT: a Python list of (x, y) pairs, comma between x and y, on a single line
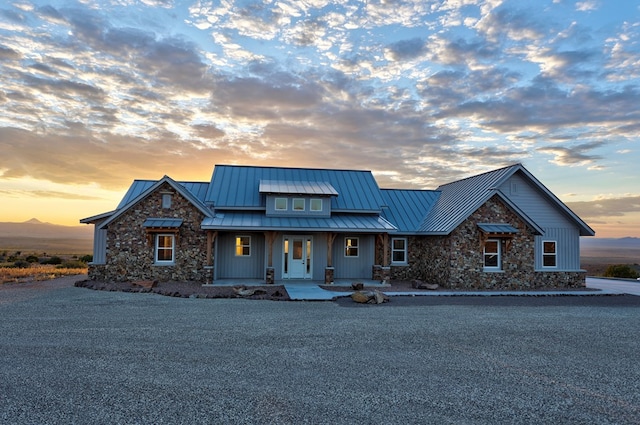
[(291, 168), (517, 164)]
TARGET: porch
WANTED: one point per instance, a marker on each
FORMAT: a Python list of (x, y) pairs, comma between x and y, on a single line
[(298, 282)]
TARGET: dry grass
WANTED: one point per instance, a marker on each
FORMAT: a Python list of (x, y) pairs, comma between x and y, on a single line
[(36, 272)]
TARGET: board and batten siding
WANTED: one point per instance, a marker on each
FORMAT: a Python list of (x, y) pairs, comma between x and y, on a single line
[(353, 267), (99, 245), (556, 225), (230, 266)]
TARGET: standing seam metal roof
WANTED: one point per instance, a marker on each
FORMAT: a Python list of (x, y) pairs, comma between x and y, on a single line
[(406, 209), (238, 187)]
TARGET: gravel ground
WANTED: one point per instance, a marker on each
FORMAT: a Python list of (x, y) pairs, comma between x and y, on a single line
[(70, 355)]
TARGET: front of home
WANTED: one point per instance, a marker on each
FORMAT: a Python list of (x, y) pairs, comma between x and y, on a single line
[(501, 229)]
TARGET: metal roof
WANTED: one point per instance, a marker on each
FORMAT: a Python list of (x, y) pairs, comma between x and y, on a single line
[(238, 187), (406, 209), (143, 188), (297, 187), (165, 223), (336, 223), (197, 189), (461, 198), (497, 228)]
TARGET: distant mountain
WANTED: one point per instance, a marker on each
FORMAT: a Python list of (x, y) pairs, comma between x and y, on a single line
[(610, 243), (35, 228)]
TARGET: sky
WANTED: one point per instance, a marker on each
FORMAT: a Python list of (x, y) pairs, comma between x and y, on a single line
[(95, 94)]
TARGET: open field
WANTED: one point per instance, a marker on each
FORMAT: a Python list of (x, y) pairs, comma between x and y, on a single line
[(51, 246), (36, 272)]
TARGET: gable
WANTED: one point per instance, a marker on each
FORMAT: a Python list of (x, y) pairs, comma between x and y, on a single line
[(142, 189), (540, 204)]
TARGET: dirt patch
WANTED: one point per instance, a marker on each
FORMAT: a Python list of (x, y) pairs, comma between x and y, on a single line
[(190, 290)]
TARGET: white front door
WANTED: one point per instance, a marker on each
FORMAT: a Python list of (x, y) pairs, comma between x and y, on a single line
[(297, 257)]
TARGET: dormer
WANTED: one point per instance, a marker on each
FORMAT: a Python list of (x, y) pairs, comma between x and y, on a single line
[(297, 198)]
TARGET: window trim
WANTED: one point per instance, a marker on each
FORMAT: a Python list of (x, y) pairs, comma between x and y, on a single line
[(347, 248), (239, 244), (311, 202), (275, 204), (404, 251), (297, 200), (166, 201), (497, 268), (554, 254), (172, 249)]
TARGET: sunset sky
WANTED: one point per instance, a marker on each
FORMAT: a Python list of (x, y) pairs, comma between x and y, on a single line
[(94, 94)]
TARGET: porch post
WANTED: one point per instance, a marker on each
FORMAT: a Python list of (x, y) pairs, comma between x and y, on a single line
[(330, 238), (211, 238), (270, 272), (329, 270)]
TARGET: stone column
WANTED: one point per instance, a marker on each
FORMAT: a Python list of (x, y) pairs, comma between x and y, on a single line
[(328, 275), (270, 275)]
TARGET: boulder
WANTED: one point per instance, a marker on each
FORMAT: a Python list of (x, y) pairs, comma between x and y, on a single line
[(418, 284), (369, 297)]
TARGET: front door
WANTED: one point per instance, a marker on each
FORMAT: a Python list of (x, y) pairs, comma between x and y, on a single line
[(297, 257)]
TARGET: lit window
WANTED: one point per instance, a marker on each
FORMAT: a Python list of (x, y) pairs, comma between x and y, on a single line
[(165, 246), (243, 246), (281, 204), (350, 247), (492, 255), (166, 200), (298, 204), (316, 205), (549, 254), (399, 250)]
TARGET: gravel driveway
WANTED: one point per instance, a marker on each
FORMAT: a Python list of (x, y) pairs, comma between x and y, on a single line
[(73, 355)]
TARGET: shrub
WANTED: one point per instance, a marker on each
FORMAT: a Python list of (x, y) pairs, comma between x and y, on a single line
[(72, 265), (86, 258), (620, 270), (53, 260), (21, 264), (32, 259)]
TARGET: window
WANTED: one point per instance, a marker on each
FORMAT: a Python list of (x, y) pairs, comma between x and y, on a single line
[(350, 247), (243, 246), (316, 205), (298, 204), (281, 204), (166, 200), (492, 255), (549, 254), (165, 247), (399, 250)]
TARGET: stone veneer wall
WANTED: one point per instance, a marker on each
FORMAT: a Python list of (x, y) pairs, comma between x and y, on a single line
[(130, 252), (428, 260), (456, 261)]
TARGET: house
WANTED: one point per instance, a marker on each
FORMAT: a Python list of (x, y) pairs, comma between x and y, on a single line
[(501, 229)]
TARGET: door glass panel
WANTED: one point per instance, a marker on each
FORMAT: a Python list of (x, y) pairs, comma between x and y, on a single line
[(297, 249), (308, 256), (286, 256)]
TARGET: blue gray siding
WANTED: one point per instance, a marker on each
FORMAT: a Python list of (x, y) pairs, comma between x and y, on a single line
[(229, 266), (99, 245), (354, 267), (556, 225)]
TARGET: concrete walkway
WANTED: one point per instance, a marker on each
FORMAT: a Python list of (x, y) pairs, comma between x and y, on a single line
[(313, 292), (614, 286)]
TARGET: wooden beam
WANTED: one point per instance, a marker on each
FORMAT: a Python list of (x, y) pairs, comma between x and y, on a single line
[(331, 237), (385, 250), (211, 238), (271, 237)]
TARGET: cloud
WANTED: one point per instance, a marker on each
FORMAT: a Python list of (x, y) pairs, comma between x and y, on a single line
[(573, 155), (606, 207)]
